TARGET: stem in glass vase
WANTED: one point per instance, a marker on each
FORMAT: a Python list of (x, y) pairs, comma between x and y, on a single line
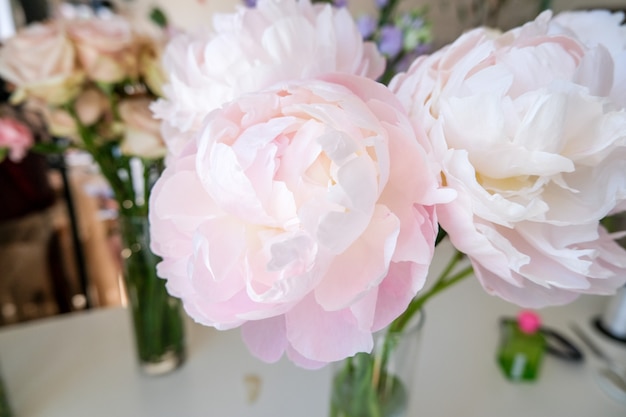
[(157, 317), (365, 385), (377, 384)]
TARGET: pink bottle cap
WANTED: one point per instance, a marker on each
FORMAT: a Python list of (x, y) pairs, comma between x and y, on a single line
[(528, 321)]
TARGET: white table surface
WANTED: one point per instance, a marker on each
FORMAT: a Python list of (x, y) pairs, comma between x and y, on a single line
[(83, 365)]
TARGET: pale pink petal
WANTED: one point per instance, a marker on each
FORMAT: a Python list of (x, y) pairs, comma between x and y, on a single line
[(346, 279), (310, 330), (266, 339)]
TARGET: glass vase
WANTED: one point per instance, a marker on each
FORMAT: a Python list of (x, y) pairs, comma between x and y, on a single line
[(378, 384), (157, 317)]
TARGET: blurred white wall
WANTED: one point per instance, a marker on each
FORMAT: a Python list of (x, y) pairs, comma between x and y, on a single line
[(7, 20)]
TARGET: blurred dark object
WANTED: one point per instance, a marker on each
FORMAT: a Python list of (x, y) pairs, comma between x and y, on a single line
[(35, 10), (613, 321), (34, 282), (24, 187), (31, 269), (4, 92), (616, 223), (102, 4)]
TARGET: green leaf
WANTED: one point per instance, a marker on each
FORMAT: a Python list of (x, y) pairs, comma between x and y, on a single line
[(48, 148), (106, 88), (158, 16)]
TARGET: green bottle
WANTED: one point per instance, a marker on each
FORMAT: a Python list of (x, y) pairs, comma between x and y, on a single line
[(522, 347)]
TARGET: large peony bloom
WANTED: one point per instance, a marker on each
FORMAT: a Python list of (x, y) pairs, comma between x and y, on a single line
[(253, 49), (531, 139), (304, 213)]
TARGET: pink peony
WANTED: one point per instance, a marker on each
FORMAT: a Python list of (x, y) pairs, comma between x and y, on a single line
[(15, 137), (532, 140), (253, 49), (304, 213)]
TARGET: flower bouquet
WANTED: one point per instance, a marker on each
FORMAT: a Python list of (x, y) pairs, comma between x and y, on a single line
[(303, 199), (93, 79)]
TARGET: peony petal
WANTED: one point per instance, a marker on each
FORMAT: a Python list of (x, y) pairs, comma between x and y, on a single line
[(266, 339), (309, 328), (346, 280)]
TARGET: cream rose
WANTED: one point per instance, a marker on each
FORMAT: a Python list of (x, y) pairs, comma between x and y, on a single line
[(91, 105), (142, 135), (151, 42), (533, 143), (303, 213), (150, 65), (40, 61), (106, 47)]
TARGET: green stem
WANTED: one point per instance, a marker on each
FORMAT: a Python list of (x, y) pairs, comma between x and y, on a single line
[(158, 323), (107, 163), (387, 12), (443, 281), (157, 319)]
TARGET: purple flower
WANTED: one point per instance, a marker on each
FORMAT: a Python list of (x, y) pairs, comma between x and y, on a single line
[(367, 25), (390, 43), (340, 3), (250, 3), (381, 3)]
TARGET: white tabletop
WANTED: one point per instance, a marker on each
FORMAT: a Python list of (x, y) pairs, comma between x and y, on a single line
[(83, 365)]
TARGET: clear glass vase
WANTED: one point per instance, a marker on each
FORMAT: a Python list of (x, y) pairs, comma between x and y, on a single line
[(378, 384), (158, 322)]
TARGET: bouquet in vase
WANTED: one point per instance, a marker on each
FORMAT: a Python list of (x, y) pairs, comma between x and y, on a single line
[(304, 198), (93, 79)]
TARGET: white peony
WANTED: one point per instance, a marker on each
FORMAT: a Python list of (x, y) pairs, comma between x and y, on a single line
[(253, 49), (534, 142)]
